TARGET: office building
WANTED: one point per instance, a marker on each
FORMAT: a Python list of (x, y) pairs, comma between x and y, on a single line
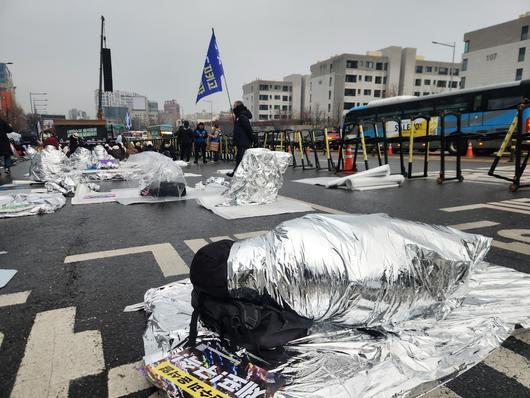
[(347, 80), (172, 109), (77, 114), (269, 99), (497, 54)]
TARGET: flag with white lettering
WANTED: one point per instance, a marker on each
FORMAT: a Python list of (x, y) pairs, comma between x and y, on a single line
[(212, 71)]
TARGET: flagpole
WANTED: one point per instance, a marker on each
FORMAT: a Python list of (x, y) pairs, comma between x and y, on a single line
[(226, 84)]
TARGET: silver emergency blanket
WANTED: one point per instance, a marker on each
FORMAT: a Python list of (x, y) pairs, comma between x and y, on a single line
[(343, 362), (52, 167), (102, 160), (81, 159), (360, 270), (156, 173), (258, 177), (17, 205)]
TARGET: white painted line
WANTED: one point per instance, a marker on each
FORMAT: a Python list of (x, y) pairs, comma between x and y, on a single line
[(522, 235), (320, 208), (126, 379), (14, 298), (3, 252), (523, 335), (511, 364), (169, 261), (55, 355), (1, 339), (195, 244), (441, 392), (508, 204), (218, 238), (517, 247), (474, 225), (464, 208), (249, 234)]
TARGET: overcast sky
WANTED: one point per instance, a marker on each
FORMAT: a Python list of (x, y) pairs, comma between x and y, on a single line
[(158, 46)]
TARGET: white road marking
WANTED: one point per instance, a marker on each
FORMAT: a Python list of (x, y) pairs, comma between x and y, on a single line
[(511, 364), (474, 225), (508, 205), (320, 208), (464, 208), (218, 238), (518, 247), (169, 261), (3, 252), (55, 355), (195, 244), (126, 379), (523, 335), (249, 234), (442, 392), (1, 339), (14, 298), (522, 235)]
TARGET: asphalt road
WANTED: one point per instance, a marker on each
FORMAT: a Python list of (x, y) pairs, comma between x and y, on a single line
[(83, 341)]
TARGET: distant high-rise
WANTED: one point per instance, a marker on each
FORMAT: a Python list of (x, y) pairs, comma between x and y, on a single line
[(172, 109), (77, 114)]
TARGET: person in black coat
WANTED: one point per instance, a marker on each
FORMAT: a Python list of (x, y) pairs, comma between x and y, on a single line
[(243, 133), (185, 136), (5, 145)]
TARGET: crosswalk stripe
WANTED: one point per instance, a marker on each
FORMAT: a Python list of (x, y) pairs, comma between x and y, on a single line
[(126, 379), (167, 258), (195, 244), (218, 238), (523, 335), (442, 392), (249, 234), (1, 339), (474, 225), (518, 247), (14, 298), (510, 364)]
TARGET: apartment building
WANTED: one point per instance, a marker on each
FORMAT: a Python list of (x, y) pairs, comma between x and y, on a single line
[(269, 99), (497, 54)]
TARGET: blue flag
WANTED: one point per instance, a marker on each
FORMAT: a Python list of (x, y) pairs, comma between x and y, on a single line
[(212, 72)]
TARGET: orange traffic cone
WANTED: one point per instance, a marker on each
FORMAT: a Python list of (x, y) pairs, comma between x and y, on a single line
[(389, 150), (469, 153), (348, 160)]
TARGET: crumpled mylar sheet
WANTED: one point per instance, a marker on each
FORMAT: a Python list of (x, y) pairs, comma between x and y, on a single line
[(53, 167), (258, 177), (17, 205), (479, 306)]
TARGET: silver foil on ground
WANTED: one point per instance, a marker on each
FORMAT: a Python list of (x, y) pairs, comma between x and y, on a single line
[(359, 270), (258, 177), (81, 159), (17, 205), (52, 167), (344, 362)]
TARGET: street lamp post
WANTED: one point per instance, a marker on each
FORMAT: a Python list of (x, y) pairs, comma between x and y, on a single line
[(453, 46)]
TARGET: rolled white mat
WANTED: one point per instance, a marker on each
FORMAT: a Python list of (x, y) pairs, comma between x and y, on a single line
[(355, 183), (380, 171)]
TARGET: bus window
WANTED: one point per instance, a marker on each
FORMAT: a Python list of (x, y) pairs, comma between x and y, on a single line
[(503, 103), (477, 102)]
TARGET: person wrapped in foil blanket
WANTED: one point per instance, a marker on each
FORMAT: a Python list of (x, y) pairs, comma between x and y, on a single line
[(357, 270)]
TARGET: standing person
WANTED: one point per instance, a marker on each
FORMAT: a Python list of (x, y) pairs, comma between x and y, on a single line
[(200, 142), (185, 140), (5, 145), (243, 134), (215, 139), (73, 143)]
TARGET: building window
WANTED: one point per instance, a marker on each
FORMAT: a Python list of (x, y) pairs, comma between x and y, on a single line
[(359, 91), (384, 80), (386, 65), (524, 32), (277, 87), (384, 93), (463, 82), (284, 107), (289, 98), (416, 93), (329, 94), (285, 98), (264, 107), (285, 88), (377, 93), (349, 92), (466, 46), (417, 82), (330, 81), (454, 84), (443, 71), (330, 67), (270, 96), (441, 83), (351, 78), (263, 86), (263, 97), (378, 80), (428, 69), (369, 64), (368, 78), (352, 64), (522, 52), (367, 92), (519, 74), (348, 105), (425, 93), (456, 72), (277, 97), (329, 108), (276, 117), (263, 117), (464, 64), (277, 107), (427, 82), (290, 107), (419, 69), (379, 66)]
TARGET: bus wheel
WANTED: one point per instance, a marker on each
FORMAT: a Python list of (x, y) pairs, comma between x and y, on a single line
[(514, 187)]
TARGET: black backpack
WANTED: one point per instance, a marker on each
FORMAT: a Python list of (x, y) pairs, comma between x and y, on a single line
[(255, 325)]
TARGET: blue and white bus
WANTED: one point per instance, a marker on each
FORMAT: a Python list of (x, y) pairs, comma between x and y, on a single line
[(486, 112)]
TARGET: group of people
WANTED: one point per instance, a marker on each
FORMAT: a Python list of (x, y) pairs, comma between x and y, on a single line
[(204, 141)]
